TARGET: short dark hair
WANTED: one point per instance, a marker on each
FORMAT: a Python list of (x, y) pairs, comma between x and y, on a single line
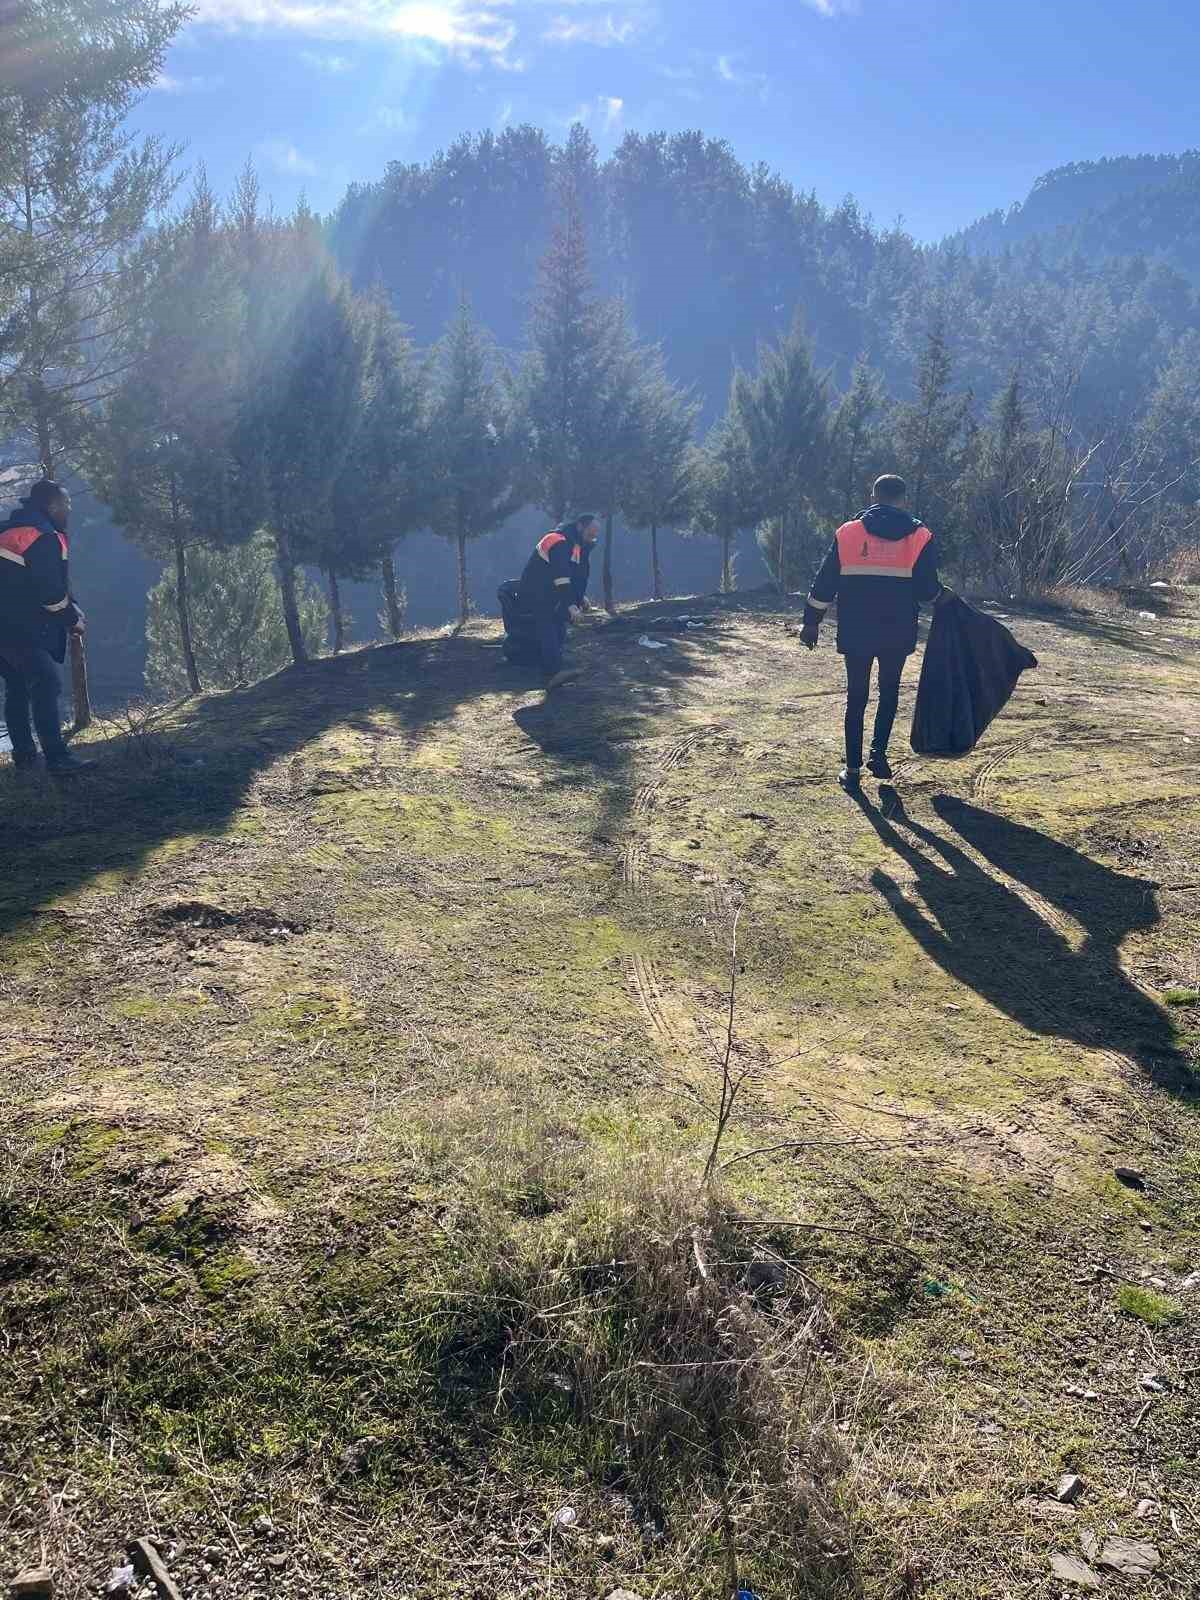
[(889, 488), (43, 494), (578, 524)]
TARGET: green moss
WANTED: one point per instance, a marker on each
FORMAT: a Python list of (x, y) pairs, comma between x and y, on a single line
[(1182, 997), (1147, 1305), (150, 1008), (224, 1271), (88, 1145), (383, 820)]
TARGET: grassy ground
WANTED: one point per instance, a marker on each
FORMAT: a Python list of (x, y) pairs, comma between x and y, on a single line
[(364, 1034)]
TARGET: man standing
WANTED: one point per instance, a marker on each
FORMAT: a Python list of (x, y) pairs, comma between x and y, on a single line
[(880, 569), (550, 593), (36, 616)]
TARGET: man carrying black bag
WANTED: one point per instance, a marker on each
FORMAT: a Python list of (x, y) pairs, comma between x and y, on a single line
[(880, 569)]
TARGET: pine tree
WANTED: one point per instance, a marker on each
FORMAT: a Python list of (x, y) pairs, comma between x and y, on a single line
[(619, 446), (342, 539), (856, 451), (160, 451), (1016, 493), (663, 491), (560, 387), (727, 498), (782, 418), (301, 394), (385, 485), (931, 438), (239, 629), (475, 460), (76, 193)]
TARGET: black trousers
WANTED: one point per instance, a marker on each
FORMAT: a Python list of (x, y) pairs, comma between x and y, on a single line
[(32, 685), (858, 692)]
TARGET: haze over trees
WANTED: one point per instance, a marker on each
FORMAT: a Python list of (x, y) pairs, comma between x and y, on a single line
[(669, 338)]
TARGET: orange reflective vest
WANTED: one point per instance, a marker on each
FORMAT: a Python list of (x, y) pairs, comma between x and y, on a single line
[(862, 555)]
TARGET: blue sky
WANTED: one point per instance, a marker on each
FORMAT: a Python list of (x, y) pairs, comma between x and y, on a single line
[(930, 110)]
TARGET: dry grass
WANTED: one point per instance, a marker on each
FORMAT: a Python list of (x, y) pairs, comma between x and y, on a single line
[(358, 1113)]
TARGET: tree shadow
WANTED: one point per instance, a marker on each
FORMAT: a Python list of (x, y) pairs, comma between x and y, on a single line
[(988, 938), (596, 725), (193, 776), (1102, 630)]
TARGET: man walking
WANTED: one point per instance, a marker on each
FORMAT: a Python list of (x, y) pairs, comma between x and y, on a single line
[(550, 593), (36, 616), (880, 569)]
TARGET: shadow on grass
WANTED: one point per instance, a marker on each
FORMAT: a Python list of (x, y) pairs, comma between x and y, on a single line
[(988, 938), (1104, 630), (626, 696), (195, 778)]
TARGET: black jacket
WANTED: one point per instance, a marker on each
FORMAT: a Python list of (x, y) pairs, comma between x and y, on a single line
[(556, 574), (881, 567), (36, 609)]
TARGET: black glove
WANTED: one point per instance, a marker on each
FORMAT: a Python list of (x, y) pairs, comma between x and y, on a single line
[(809, 635)]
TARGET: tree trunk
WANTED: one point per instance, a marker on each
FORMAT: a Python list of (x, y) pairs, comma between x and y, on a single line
[(391, 598), (335, 613), (183, 611), (655, 569), (464, 598), (286, 567), (727, 563), (609, 603)]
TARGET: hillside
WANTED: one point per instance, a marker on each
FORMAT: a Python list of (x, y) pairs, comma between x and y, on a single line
[(1101, 210), (364, 1035), (1089, 284)]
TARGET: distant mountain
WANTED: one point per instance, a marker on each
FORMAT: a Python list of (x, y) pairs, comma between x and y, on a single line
[(1128, 205)]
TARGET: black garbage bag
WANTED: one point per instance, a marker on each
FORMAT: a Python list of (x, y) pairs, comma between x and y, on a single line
[(520, 630), (971, 668)]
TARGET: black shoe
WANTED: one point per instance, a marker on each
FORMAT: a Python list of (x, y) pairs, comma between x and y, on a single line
[(69, 764), (850, 779), (878, 767)]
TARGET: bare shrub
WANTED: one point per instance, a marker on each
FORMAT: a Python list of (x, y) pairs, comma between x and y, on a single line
[(642, 1310)]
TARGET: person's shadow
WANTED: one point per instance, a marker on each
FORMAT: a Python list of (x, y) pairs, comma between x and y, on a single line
[(989, 938)]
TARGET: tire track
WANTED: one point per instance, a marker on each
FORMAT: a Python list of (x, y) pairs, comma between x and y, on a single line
[(643, 973), (644, 800), (981, 784), (647, 987)]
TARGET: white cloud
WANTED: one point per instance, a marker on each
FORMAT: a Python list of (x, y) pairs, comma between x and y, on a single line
[(728, 70), (606, 111), (605, 30), (505, 114), (460, 26), (195, 83), (322, 61), (832, 8), (284, 157), (388, 119)]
